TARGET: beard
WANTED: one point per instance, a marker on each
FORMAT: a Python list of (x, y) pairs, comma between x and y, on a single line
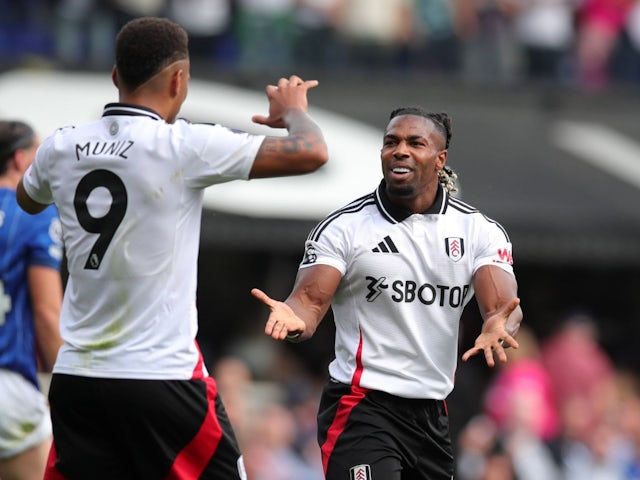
[(400, 190)]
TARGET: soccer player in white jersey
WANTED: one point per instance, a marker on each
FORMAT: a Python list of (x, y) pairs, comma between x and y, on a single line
[(397, 267), (130, 397), (30, 301)]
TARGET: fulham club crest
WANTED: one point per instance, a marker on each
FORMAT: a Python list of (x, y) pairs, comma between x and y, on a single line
[(360, 472), (454, 247)]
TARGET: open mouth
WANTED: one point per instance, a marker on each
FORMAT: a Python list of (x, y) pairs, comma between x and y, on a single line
[(400, 173)]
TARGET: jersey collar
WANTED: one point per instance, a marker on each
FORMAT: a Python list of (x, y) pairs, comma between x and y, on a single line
[(112, 109), (396, 214)]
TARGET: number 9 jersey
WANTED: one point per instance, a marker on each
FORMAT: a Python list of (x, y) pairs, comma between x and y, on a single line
[(129, 192)]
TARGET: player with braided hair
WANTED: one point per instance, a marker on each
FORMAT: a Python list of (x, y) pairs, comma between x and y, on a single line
[(397, 267)]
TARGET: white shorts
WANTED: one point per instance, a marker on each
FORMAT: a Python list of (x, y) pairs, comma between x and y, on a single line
[(24, 415)]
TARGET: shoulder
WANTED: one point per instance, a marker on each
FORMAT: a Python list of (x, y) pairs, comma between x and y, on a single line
[(472, 215), (345, 218)]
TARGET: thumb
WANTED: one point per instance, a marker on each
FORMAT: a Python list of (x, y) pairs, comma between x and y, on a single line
[(511, 306), (261, 119), (263, 297)]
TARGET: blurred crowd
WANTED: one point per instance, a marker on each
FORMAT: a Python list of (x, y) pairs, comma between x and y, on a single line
[(589, 44), (560, 409)]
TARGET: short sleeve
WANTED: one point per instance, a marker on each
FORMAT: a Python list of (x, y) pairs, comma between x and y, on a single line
[(494, 247)]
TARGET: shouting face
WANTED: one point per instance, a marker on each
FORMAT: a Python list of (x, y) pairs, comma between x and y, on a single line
[(413, 151)]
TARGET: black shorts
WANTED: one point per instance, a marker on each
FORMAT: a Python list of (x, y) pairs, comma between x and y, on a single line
[(366, 434), (140, 429)]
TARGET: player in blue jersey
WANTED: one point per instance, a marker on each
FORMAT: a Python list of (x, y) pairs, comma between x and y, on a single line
[(397, 267), (30, 299)]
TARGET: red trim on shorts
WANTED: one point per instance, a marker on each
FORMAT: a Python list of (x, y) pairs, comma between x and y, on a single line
[(51, 473), (193, 459), (345, 406)]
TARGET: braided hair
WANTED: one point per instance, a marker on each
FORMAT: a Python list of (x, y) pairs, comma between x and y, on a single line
[(442, 121)]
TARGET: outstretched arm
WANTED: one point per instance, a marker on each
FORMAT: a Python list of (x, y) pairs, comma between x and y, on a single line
[(497, 296), (304, 149), (300, 314)]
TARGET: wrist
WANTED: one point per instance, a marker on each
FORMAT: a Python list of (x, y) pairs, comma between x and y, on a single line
[(293, 336)]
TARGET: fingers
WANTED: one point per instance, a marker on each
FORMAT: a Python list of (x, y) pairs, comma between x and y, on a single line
[(492, 350), (293, 80), (277, 330)]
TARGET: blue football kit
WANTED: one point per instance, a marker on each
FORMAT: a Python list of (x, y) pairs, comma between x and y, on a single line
[(25, 240)]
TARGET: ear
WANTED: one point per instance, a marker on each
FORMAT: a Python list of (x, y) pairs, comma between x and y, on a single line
[(114, 76), (441, 159), (20, 160), (176, 82)]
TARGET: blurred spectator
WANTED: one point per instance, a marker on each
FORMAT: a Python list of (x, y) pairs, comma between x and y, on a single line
[(210, 27), (316, 44), (24, 29), (84, 33), (544, 31), (270, 454), (476, 444), (234, 378), (626, 57), (520, 396), (628, 421), (580, 370), (600, 24), (519, 400), (265, 30), (376, 33), (436, 35), (489, 53), (594, 460)]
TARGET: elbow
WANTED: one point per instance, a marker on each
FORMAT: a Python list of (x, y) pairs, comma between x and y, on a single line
[(318, 157), (30, 208), (26, 203)]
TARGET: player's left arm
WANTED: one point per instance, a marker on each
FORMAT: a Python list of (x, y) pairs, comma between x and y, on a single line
[(45, 287), (496, 292)]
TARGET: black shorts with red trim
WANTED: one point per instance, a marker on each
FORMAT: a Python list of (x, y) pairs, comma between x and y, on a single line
[(135, 429), (367, 434)]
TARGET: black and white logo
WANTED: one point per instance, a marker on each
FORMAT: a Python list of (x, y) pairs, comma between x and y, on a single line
[(309, 254), (360, 472), (454, 247), (386, 246), (375, 287)]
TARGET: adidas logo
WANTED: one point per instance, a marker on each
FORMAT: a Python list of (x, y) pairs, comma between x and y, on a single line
[(386, 246)]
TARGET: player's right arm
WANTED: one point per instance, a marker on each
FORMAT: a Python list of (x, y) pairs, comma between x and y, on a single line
[(306, 305), (28, 204), (304, 149)]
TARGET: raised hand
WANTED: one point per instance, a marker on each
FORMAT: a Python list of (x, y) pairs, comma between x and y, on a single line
[(282, 322), (494, 337), (289, 94)]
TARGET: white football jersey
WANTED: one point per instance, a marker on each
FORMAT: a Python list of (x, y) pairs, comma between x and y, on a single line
[(405, 281), (129, 191)]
